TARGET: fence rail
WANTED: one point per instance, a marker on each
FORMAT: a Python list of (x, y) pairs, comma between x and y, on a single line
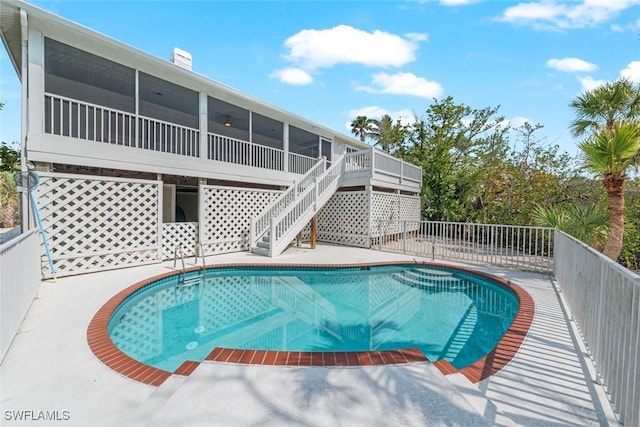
[(20, 275), (604, 299), (526, 248)]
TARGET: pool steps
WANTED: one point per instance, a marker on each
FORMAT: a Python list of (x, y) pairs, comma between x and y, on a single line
[(431, 280)]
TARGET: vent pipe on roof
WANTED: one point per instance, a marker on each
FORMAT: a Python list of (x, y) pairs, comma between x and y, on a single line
[(181, 58)]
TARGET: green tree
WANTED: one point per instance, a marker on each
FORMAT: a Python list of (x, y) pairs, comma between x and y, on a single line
[(444, 144), (606, 115), (586, 223), (9, 158), (389, 135), (362, 127), (612, 152), (604, 106), (9, 204)]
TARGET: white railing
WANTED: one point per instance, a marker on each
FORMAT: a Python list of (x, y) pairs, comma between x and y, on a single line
[(383, 163), (604, 299), (261, 224), (158, 135), (525, 248), (83, 120), (231, 150), (286, 225), (411, 172), (357, 161), (20, 275), (300, 164), (75, 119), (389, 165)]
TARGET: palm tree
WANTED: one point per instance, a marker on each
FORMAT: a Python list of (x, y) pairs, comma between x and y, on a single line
[(362, 127), (586, 223), (605, 106), (608, 114), (389, 136), (612, 152)]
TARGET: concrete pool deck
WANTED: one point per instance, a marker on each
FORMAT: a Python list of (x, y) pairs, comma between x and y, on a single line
[(50, 368)]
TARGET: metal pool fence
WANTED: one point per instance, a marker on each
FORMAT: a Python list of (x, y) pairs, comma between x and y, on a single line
[(604, 299), (525, 248), (20, 274)]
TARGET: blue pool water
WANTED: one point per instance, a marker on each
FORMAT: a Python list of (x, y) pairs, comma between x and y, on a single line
[(447, 314)]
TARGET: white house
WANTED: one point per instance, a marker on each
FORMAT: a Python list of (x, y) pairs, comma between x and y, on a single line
[(138, 155)]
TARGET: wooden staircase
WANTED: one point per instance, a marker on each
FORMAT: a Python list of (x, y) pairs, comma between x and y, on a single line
[(278, 224)]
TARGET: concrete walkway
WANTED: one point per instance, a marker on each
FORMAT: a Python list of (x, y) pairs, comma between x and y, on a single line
[(50, 371)]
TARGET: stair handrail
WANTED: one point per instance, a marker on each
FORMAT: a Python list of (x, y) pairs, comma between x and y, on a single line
[(261, 223), (313, 196)]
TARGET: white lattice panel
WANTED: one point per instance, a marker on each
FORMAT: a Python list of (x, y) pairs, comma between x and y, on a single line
[(345, 219), (388, 210), (179, 233), (97, 223), (227, 216)]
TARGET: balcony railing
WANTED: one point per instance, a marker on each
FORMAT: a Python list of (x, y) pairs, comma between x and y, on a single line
[(230, 150), (384, 164), (82, 120), (300, 164)]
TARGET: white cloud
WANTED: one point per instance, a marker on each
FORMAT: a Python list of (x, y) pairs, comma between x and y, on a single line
[(314, 49), (294, 76), (405, 116), (403, 84), (417, 37), (570, 65), (589, 83), (456, 2), (632, 72), (555, 14)]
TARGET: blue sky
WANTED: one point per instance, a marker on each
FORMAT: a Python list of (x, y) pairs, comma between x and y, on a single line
[(330, 61)]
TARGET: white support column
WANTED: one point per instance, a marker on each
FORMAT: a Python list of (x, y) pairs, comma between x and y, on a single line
[(201, 212), (160, 196), (204, 126), (285, 146), (35, 83), (137, 106), (25, 210), (369, 190)]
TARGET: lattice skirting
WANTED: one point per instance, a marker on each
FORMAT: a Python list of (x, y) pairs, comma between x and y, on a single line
[(390, 210), (98, 223), (226, 213), (183, 234)]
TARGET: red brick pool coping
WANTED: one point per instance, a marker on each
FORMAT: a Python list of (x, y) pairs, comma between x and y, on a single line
[(105, 350)]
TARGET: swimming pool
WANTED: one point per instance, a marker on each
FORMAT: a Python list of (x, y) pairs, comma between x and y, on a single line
[(447, 313)]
